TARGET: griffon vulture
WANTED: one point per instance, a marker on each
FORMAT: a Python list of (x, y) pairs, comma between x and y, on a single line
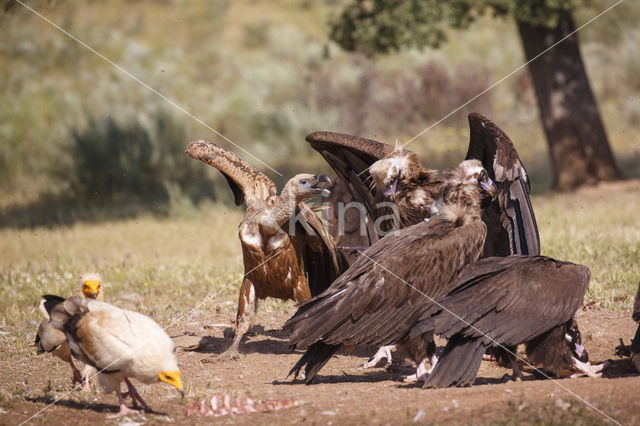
[(50, 339), (371, 303), (120, 344), (509, 301), (398, 174), (283, 258)]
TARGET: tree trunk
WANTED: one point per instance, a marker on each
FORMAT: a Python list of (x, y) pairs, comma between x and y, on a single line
[(578, 145)]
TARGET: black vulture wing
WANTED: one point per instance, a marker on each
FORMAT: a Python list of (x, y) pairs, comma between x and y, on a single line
[(371, 302), (247, 183), (511, 223), (635, 343), (506, 301), (323, 263), (636, 307), (350, 157)]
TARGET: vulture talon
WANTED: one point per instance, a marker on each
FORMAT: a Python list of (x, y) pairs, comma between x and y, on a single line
[(384, 352)]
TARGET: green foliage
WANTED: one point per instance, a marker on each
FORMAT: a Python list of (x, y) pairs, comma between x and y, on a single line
[(112, 160), (378, 26), (381, 26)]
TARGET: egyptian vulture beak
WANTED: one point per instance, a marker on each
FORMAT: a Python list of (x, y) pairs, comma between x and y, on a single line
[(489, 187), (91, 288), (172, 378), (322, 183)]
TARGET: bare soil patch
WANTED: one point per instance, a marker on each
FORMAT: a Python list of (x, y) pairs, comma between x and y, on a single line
[(345, 393)]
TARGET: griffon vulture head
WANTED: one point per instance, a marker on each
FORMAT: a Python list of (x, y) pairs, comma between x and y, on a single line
[(306, 185)]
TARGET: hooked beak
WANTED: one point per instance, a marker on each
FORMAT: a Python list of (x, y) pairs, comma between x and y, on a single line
[(489, 187), (391, 191), (322, 183)]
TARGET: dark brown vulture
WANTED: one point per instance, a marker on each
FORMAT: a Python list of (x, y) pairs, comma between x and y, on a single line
[(635, 343), (509, 301), (397, 173), (371, 303), (284, 257)]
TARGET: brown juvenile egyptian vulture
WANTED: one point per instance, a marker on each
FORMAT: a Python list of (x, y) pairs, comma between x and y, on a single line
[(371, 302), (287, 252), (509, 301), (120, 344), (368, 172), (53, 341)]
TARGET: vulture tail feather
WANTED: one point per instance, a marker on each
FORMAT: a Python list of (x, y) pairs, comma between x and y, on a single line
[(313, 360), (459, 363)]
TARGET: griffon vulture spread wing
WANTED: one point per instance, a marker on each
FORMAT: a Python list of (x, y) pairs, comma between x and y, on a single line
[(509, 301), (510, 218), (284, 257), (117, 342), (371, 303)]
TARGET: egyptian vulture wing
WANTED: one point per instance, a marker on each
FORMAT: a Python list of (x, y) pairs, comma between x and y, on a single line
[(501, 300), (247, 183), (109, 338), (323, 263), (350, 157), (511, 223)]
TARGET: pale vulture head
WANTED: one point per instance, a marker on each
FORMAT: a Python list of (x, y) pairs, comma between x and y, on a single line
[(401, 166), (91, 285), (306, 185)]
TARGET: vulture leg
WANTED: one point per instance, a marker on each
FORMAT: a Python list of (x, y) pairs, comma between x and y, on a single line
[(383, 352), (87, 384), (421, 373), (517, 373), (247, 305), (77, 376), (135, 396), (124, 410), (585, 368)]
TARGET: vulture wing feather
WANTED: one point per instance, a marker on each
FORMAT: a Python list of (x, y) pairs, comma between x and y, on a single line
[(511, 211), (247, 183)]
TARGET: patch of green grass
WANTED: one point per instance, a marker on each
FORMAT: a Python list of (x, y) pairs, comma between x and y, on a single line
[(162, 268), (598, 227)]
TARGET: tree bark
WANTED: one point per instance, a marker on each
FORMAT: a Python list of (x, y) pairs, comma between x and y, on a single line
[(578, 145)]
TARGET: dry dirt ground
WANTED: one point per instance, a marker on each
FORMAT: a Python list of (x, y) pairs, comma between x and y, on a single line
[(345, 394)]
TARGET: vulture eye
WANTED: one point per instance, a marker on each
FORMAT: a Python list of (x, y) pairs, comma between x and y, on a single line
[(304, 181), (483, 176)]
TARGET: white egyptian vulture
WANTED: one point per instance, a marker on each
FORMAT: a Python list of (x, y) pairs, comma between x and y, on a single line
[(119, 343), (51, 340)]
